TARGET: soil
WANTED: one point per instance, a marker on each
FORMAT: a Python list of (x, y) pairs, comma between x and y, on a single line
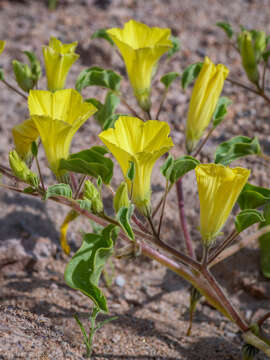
[(150, 302)]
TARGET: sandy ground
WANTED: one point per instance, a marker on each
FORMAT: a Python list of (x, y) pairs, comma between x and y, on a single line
[(36, 307)]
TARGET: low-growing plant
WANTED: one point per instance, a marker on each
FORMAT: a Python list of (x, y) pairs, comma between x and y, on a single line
[(136, 141)]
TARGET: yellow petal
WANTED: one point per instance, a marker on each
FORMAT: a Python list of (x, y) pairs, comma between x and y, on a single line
[(205, 95), (72, 215), (142, 143), (2, 46), (23, 136), (219, 188), (66, 105)]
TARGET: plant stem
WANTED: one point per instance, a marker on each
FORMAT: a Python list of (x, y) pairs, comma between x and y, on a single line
[(163, 208), (183, 221), (257, 341), (264, 75), (73, 181), (78, 190), (130, 108), (40, 174), (11, 87), (160, 202), (223, 246), (204, 142), (263, 319), (161, 103), (264, 156), (260, 93)]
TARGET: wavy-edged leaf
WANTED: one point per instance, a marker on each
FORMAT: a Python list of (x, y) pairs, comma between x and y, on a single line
[(176, 46), (90, 162), (190, 73), (253, 196), (85, 204), (169, 78), (84, 269), (175, 169), (236, 148), (246, 218), (123, 216), (96, 76), (226, 27), (58, 190), (102, 34), (221, 110)]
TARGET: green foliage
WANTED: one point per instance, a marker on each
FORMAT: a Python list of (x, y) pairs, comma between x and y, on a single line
[(226, 27), (90, 162), (175, 169), (221, 110), (105, 115), (58, 190), (123, 216), (176, 46), (236, 148), (84, 269), (27, 77), (131, 171), (169, 78), (264, 242), (253, 197), (2, 76), (246, 218), (190, 73), (102, 34), (96, 76)]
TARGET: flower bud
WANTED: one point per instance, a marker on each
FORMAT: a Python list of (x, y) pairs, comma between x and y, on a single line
[(121, 198), (21, 170), (92, 193), (248, 55), (2, 46)]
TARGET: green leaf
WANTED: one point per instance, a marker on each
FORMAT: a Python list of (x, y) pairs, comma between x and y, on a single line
[(34, 149), (246, 218), (264, 242), (2, 76), (29, 190), (253, 197), (58, 189), (85, 204), (236, 148), (131, 171), (180, 167), (83, 271), (35, 66), (90, 162), (167, 79), (123, 216), (167, 167), (23, 76), (97, 76), (266, 55), (190, 73), (105, 115), (221, 110), (226, 27), (102, 34), (176, 46)]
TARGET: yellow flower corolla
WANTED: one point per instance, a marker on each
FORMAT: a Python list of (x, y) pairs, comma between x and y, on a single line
[(57, 117), (142, 143), (58, 58), (204, 98), (141, 47), (2, 46), (219, 188)]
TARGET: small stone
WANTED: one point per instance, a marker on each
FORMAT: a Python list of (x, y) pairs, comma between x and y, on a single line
[(120, 281)]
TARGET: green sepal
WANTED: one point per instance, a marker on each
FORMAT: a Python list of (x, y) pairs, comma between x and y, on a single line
[(169, 78), (253, 196), (226, 27), (221, 110), (34, 149), (123, 216), (176, 45), (35, 66), (131, 171), (29, 190), (96, 76), (178, 168), (84, 269), (102, 34), (236, 148), (27, 77), (90, 162), (190, 73), (249, 352), (264, 242), (246, 218), (58, 190)]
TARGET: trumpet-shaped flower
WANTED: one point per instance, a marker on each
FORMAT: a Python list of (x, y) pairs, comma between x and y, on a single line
[(141, 47), (58, 58), (142, 143), (204, 98), (2, 46), (219, 188), (57, 117)]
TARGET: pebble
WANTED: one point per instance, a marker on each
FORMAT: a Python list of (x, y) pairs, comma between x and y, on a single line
[(120, 281)]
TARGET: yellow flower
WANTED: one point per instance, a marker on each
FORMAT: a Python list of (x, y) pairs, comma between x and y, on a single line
[(58, 58), (142, 143), (219, 188), (2, 46), (204, 98), (57, 117), (141, 47)]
